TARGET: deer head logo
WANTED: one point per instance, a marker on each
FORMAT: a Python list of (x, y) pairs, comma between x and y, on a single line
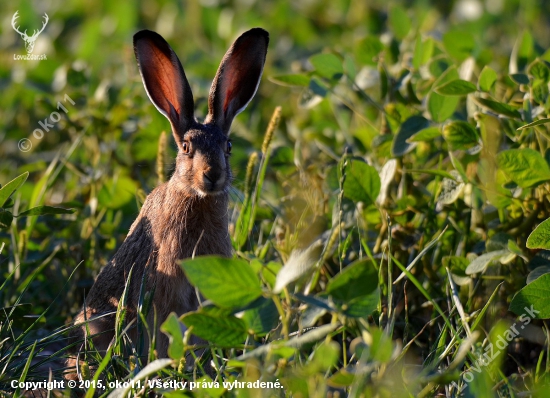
[(29, 40)]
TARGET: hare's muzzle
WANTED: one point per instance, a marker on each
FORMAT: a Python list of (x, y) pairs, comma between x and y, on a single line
[(213, 181)]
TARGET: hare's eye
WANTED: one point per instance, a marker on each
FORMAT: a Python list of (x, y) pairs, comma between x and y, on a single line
[(229, 146), (185, 147)]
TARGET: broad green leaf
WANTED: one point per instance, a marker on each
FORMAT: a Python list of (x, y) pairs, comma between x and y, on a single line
[(459, 45), (533, 301), (442, 107), (499, 107), (357, 279), (535, 123), (526, 167), (487, 79), (520, 78), (539, 70), (262, 319), (456, 87), (362, 182), (427, 134), (399, 22), (540, 237), (7, 190), (368, 50), (461, 135), (423, 51), (355, 289), (291, 80), (327, 65), (360, 307), (410, 127), (480, 264), (225, 331), (172, 328), (42, 210), (228, 283)]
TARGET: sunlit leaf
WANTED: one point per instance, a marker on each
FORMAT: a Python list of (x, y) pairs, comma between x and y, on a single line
[(533, 301), (526, 167), (226, 282)]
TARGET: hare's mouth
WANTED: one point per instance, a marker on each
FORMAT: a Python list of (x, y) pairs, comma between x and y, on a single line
[(201, 193), (209, 187)]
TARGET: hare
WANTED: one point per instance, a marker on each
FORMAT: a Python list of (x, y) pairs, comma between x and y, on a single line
[(188, 215)]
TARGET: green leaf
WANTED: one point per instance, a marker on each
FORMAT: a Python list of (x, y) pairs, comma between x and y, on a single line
[(456, 87), (224, 331), (362, 182), (540, 237), (172, 328), (357, 279), (442, 107), (228, 283), (535, 123), (461, 135), (480, 264), (410, 127), (368, 50), (262, 319), (499, 107), (533, 301), (291, 80), (355, 289), (42, 210), (423, 51), (360, 307), (459, 45), (539, 70), (327, 65), (487, 79), (7, 190), (526, 167), (399, 22), (520, 78), (6, 217), (427, 134)]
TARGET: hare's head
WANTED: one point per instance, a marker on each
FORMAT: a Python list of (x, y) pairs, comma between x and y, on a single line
[(202, 166)]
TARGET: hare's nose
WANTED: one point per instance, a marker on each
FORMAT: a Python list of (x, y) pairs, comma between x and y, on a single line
[(211, 177)]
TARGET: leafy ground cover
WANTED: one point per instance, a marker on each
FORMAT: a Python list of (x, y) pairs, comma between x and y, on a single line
[(388, 213)]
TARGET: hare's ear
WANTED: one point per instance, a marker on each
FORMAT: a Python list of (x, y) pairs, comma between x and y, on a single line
[(237, 78), (164, 80)]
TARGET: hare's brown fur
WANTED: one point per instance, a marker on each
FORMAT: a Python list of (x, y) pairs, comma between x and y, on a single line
[(187, 216)]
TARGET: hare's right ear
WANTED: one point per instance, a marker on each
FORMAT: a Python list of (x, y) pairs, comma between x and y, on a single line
[(164, 80), (237, 78)]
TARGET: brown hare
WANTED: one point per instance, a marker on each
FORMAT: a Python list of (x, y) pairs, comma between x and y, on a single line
[(188, 215)]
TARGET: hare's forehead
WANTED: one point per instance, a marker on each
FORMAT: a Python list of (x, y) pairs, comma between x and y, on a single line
[(205, 135)]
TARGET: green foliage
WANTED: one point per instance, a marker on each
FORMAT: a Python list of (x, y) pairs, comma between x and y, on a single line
[(394, 208)]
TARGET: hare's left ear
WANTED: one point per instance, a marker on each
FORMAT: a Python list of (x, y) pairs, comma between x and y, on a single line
[(237, 78)]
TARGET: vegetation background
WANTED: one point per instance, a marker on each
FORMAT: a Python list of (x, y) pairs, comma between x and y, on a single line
[(397, 146)]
